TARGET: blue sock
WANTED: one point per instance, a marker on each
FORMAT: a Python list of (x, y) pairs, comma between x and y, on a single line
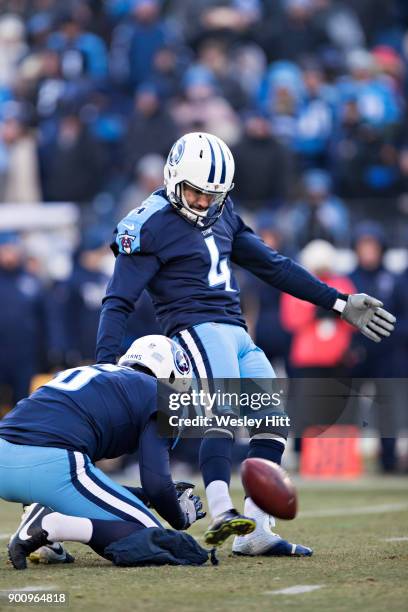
[(215, 459), (269, 449)]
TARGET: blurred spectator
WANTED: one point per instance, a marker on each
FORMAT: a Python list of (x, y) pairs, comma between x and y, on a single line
[(82, 53), (23, 323), (319, 215), (227, 20), (135, 42), (298, 35), (249, 65), (202, 108), (263, 166), (280, 96), (151, 129), (373, 360), (51, 86), (12, 47), (214, 56), (321, 340), (148, 177), (20, 180), (169, 64), (370, 276), (79, 298), (73, 163), (400, 298), (377, 102), (261, 303), (338, 23), (315, 117)]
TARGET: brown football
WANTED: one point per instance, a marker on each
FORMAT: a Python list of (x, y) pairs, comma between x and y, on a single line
[(269, 486)]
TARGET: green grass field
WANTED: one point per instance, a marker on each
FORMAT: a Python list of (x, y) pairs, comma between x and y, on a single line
[(359, 532)]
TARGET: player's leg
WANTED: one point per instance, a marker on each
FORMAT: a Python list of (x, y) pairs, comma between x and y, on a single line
[(213, 351), (86, 505), (42, 526), (266, 443)]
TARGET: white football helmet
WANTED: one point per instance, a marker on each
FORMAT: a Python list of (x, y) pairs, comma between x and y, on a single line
[(204, 162), (165, 359)]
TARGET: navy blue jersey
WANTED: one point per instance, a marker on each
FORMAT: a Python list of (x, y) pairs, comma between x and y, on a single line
[(187, 271), (104, 411), (98, 410)]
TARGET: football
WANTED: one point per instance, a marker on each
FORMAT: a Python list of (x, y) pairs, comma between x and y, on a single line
[(270, 487)]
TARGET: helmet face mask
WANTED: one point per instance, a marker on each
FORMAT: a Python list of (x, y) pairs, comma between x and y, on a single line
[(203, 163)]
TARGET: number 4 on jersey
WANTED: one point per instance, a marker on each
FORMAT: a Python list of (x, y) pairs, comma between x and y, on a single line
[(215, 277)]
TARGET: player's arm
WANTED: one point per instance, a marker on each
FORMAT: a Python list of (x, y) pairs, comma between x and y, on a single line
[(362, 311), (131, 275), (177, 506)]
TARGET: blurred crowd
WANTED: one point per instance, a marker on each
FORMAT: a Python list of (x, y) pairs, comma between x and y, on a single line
[(309, 94), (89, 88)]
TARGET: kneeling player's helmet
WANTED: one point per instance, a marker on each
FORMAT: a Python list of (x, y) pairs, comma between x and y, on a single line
[(205, 163), (163, 357)]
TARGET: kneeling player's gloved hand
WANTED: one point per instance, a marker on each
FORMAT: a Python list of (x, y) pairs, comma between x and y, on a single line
[(192, 507), (366, 313), (182, 485)]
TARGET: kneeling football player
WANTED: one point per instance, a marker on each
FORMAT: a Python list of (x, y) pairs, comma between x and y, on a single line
[(50, 441)]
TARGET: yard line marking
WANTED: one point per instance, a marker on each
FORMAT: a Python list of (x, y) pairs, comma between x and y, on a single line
[(397, 539), (298, 589), (353, 511), (4, 536), (34, 587)]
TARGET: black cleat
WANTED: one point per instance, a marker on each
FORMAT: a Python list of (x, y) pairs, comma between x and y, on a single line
[(226, 524), (29, 536)]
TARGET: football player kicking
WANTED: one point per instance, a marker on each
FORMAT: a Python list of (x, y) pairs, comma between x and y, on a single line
[(50, 441), (179, 244)]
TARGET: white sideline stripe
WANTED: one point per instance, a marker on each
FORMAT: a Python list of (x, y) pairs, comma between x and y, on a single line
[(298, 589), (397, 539), (34, 587), (110, 499), (4, 536), (353, 511)]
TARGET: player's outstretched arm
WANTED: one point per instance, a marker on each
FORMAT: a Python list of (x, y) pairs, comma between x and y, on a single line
[(367, 314), (174, 502)]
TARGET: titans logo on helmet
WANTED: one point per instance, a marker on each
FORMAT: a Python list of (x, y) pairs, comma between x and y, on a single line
[(176, 152), (182, 364)]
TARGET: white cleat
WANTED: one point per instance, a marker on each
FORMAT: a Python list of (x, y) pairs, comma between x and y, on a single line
[(263, 541)]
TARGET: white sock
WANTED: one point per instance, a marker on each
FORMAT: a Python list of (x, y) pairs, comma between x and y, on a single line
[(253, 511), (62, 527), (218, 497)]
